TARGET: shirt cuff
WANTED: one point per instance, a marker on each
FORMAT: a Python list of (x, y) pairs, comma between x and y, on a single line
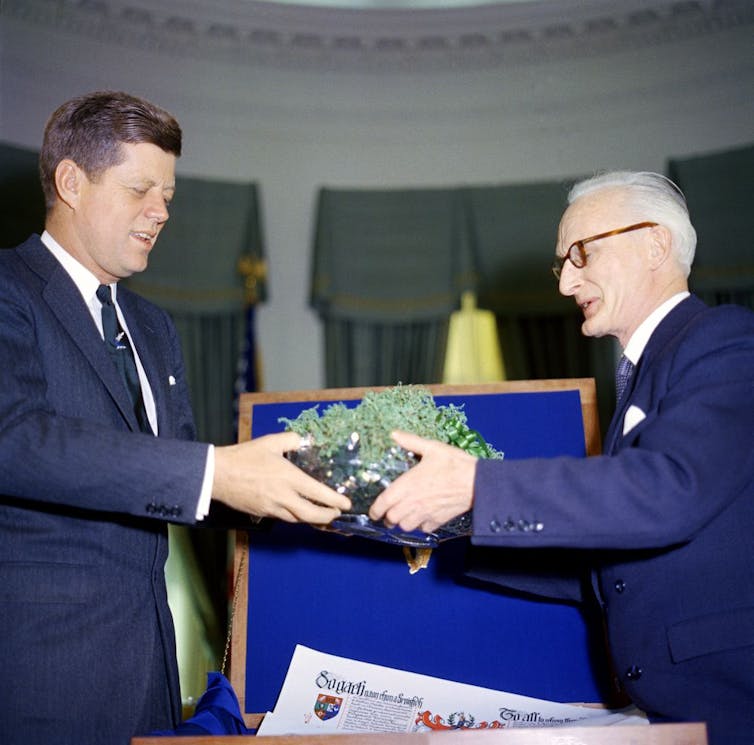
[(205, 496)]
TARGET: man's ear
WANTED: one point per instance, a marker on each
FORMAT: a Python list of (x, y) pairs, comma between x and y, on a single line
[(660, 246), (68, 182)]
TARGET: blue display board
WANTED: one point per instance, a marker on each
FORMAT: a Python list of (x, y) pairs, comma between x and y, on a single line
[(355, 597)]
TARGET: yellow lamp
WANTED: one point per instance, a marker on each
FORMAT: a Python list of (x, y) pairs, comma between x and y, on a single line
[(473, 354)]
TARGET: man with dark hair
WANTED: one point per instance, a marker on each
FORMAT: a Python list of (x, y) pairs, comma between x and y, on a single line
[(97, 447), (661, 524), (90, 129)]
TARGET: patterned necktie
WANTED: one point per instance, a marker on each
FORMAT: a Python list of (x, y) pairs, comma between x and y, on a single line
[(119, 349), (622, 376)]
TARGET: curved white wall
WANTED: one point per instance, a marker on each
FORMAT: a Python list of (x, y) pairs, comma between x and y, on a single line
[(294, 130)]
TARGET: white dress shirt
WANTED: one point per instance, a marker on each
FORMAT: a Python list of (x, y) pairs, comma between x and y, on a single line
[(635, 347)]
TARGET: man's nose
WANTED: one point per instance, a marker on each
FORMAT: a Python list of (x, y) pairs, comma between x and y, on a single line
[(570, 279), (157, 210)]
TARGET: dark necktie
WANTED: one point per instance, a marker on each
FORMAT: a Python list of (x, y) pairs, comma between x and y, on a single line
[(622, 376), (119, 349)]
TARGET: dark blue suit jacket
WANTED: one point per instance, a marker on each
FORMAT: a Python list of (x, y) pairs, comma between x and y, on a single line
[(664, 520), (87, 648)]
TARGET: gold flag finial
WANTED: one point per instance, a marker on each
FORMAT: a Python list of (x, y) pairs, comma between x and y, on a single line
[(253, 270)]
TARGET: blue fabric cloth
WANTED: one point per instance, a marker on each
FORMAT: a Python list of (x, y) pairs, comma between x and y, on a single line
[(217, 712)]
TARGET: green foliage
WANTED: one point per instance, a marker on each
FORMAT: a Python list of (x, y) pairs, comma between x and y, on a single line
[(406, 407)]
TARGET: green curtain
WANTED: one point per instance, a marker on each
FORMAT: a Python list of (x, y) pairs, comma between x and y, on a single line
[(22, 209), (193, 273), (719, 189), (363, 353), (389, 267), (513, 232)]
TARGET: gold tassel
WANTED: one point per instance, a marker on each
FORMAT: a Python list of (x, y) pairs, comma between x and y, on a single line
[(417, 558)]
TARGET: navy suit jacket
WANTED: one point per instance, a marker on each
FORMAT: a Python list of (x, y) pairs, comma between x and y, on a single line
[(664, 520), (87, 648)]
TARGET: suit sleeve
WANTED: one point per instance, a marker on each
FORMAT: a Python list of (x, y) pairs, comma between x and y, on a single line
[(679, 468)]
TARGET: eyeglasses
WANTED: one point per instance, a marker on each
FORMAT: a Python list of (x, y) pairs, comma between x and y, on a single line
[(576, 253)]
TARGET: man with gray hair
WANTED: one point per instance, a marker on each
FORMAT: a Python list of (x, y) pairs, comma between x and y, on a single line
[(660, 525)]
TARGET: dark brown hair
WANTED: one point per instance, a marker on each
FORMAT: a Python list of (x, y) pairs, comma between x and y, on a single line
[(89, 130)]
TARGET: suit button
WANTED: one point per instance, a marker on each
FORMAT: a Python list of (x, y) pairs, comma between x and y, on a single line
[(633, 672), (494, 526), (619, 585), (509, 525), (151, 508)]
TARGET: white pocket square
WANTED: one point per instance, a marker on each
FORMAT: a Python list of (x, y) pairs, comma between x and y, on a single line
[(633, 416), (171, 380)]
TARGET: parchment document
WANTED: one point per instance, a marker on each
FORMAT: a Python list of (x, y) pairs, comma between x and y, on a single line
[(323, 694)]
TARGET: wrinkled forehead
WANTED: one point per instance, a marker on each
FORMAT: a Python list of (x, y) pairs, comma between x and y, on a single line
[(592, 214)]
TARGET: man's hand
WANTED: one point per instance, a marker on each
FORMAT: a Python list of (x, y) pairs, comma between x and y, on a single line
[(255, 478), (437, 489)]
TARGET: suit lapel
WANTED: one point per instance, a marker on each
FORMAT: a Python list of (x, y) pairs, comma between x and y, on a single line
[(66, 304), (660, 339)]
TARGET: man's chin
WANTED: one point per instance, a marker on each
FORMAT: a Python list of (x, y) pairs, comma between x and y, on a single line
[(589, 328), (136, 267)]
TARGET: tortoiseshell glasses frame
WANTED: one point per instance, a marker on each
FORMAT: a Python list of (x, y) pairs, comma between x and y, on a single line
[(576, 253)]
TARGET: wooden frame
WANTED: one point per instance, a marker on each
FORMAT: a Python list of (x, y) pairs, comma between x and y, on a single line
[(592, 445)]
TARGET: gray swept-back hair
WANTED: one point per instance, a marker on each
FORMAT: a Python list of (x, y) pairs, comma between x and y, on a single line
[(651, 196)]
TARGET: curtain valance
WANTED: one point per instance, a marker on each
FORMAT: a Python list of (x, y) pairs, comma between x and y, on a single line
[(513, 231), (195, 266), (390, 256), (408, 254)]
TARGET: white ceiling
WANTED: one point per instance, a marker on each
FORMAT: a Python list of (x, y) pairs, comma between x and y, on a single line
[(384, 34), (400, 4)]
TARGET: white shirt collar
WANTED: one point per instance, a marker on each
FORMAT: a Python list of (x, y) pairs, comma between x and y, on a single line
[(84, 280), (635, 347)]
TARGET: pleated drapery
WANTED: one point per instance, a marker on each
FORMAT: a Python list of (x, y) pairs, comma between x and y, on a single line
[(22, 207), (388, 269), (513, 233), (390, 266), (194, 274), (718, 189)]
